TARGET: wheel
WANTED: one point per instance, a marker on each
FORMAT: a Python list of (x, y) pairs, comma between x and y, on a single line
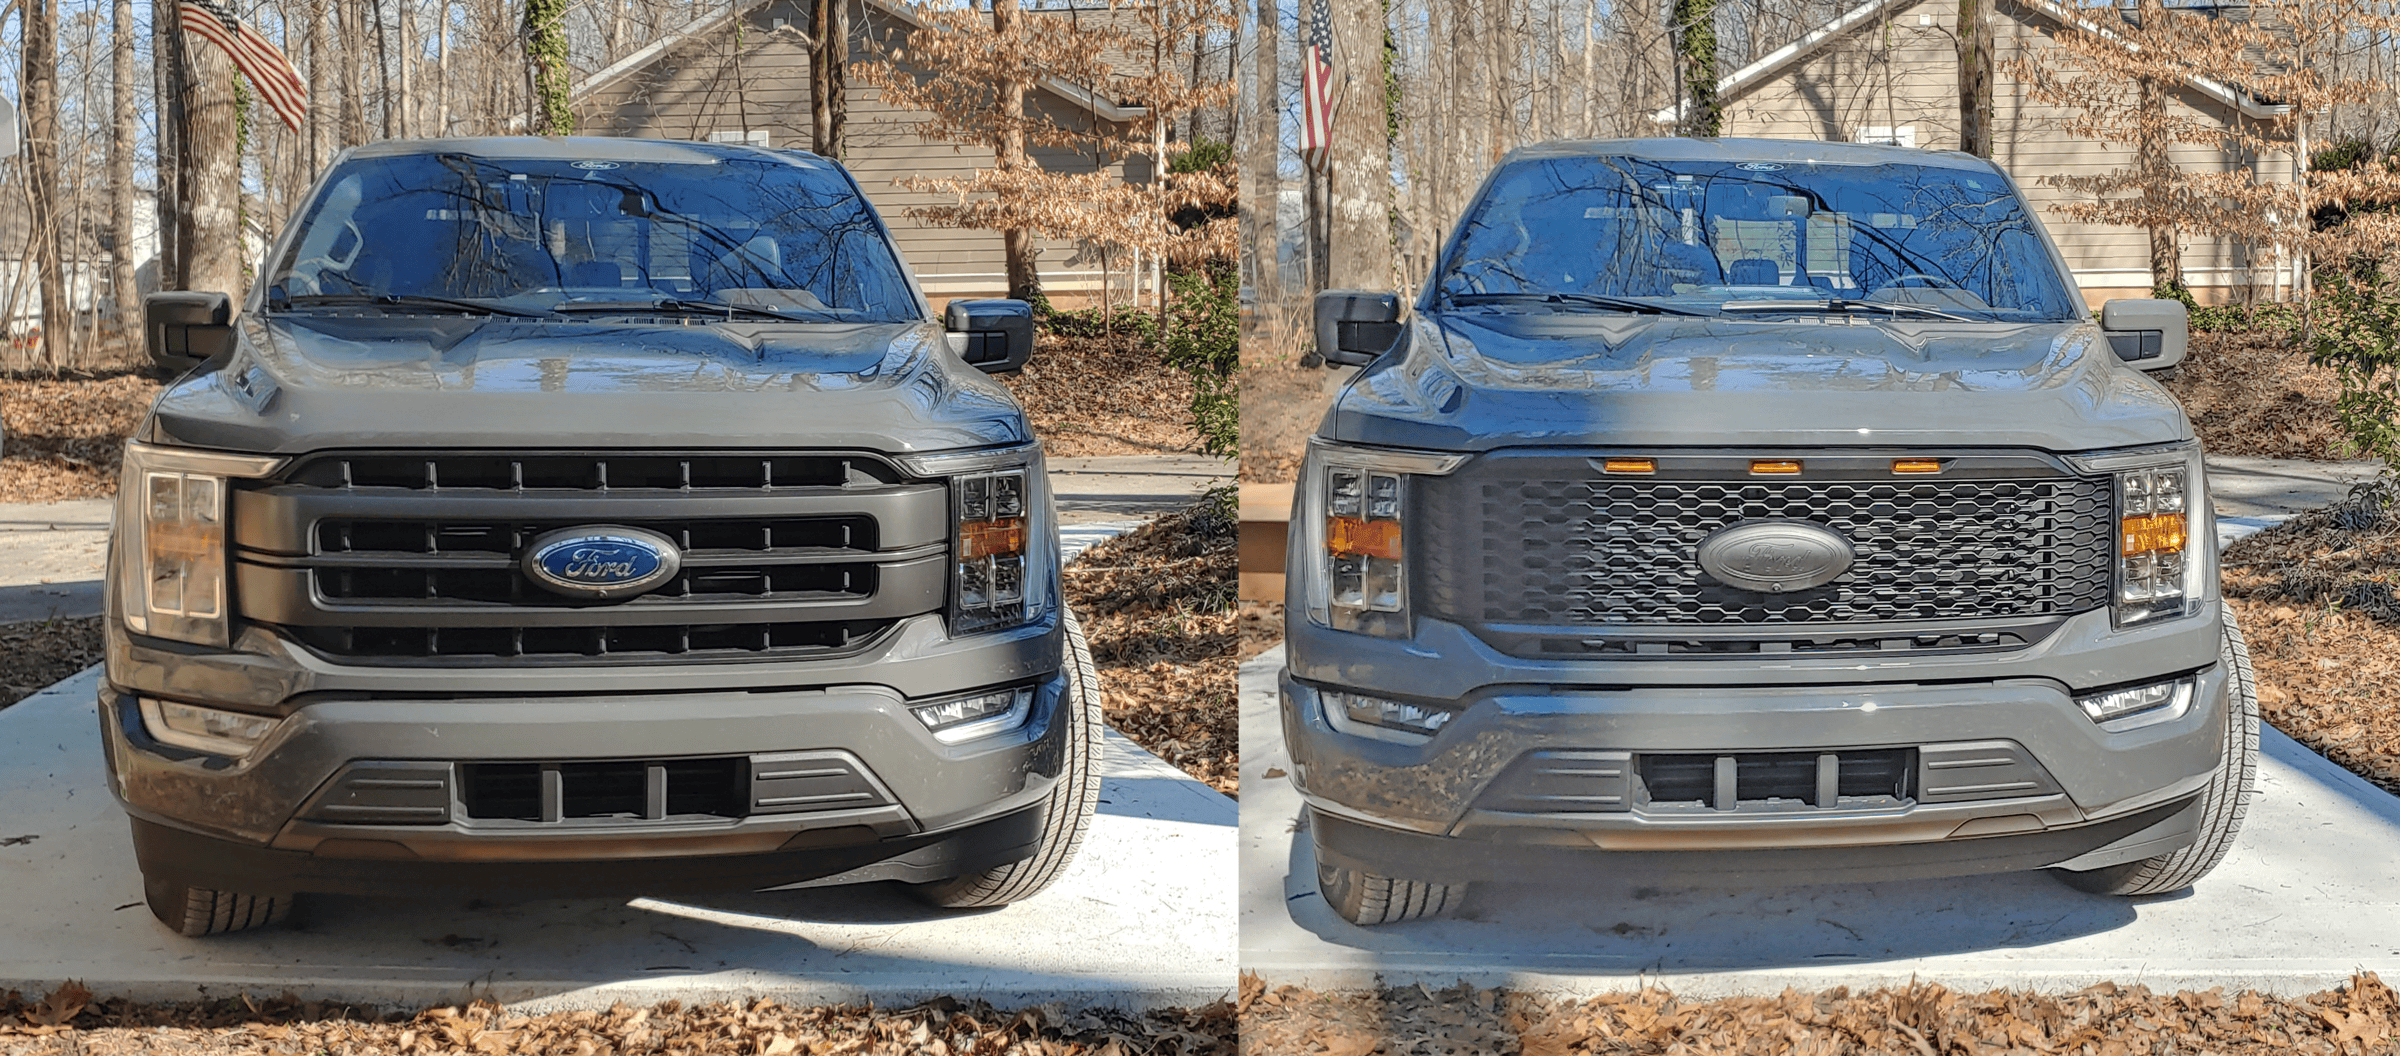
[(195, 912), (2222, 803), (1065, 814), (1367, 899)]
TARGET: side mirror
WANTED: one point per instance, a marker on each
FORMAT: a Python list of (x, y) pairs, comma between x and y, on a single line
[(994, 336), (187, 329), (1356, 327), (2147, 333)]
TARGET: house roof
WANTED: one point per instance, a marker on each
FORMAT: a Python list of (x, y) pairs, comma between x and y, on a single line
[(1867, 13), (723, 14)]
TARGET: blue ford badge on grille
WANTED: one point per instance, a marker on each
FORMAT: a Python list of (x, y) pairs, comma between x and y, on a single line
[(601, 561)]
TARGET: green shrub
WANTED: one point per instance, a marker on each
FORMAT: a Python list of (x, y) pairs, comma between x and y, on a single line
[(2355, 329), (1202, 338)]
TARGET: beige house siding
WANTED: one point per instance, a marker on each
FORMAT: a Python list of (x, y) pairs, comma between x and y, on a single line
[(693, 90), (1900, 72)]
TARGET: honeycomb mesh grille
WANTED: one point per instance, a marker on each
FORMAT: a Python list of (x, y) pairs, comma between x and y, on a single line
[(1521, 549)]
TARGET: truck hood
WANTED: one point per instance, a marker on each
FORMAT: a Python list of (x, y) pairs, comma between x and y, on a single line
[(1473, 381), (304, 383)]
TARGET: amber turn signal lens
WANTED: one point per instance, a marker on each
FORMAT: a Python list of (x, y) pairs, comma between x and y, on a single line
[(1629, 465), (2155, 533), (1917, 465), (981, 539), (1349, 535), (1775, 466)]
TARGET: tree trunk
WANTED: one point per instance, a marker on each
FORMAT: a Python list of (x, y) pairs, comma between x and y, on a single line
[(40, 85), (820, 77), (837, 72), (167, 95), (546, 64), (1360, 194), (383, 68), (354, 108), (120, 167), (1975, 77), (1266, 179), (2157, 168), (1696, 62), (1017, 245), (406, 102), (208, 205)]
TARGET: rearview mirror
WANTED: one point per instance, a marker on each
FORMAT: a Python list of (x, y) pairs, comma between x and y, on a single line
[(993, 336), (1356, 327), (2148, 333), (186, 329)]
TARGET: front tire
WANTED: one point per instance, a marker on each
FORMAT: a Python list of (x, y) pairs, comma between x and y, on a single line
[(1368, 899), (198, 912), (1066, 813), (2222, 803)]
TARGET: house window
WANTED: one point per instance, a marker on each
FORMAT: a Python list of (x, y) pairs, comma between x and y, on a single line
[(1887, 135), (756, 137)]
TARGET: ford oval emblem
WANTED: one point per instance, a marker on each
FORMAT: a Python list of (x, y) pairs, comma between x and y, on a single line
[(601, 562), (1775, 556)]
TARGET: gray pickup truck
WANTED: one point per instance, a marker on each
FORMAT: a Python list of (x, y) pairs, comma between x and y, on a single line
[(588, 516), (1760, 512)]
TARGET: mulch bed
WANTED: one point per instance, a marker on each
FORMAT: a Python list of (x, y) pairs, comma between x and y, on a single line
[(2255, 394), (2318, 598), (1157, 604), (2103, 1020), (66, 434), (35, 654), (1262, 627), (1107, 395), (69, 1020)]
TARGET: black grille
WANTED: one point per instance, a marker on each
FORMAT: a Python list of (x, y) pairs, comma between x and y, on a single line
[(742, 534), (1546, 542), (507, 584), (618, 789), (1861, 778), (604, 641), (447, 471)]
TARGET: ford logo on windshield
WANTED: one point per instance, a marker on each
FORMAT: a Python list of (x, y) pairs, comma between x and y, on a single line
[(601, 562)]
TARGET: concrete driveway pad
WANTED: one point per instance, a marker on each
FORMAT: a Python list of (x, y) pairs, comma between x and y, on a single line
[(2305, 899), (1143, 918)]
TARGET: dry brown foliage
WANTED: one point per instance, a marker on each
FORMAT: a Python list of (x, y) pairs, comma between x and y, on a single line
[(70, 1020), (1926, 1019), (2255, 394), (1109, 395), (36, 653), (1157, 603), (2316, 600), (1262, 626), (66, 434)]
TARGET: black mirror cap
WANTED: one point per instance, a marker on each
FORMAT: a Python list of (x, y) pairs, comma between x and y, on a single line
[(186, 329), (2148, 333), (999, 333), (1356, 327)]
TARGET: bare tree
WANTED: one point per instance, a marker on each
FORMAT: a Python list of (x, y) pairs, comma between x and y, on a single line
[(39, 83), (121, 145)]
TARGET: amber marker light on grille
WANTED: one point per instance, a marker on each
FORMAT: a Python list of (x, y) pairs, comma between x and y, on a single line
[(1349, 536), (2153, 533), (981, 539), (1775, 466), (1917, 465), (1629, 465)]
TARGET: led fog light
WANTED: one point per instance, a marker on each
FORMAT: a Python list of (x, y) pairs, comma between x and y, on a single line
[(190, 726), (2134, 707), (966, 718), (1381, 719)]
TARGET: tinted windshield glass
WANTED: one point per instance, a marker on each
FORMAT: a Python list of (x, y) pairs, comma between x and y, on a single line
[(537, 235), (1702, 235)]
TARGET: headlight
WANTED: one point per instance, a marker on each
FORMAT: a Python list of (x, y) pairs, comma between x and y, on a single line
[(217, 732), (171, 523), (1002, 545), (2161, 560), (1353, 513)]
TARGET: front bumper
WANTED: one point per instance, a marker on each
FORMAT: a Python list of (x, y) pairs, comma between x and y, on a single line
[(863, 784), (2060, 790)]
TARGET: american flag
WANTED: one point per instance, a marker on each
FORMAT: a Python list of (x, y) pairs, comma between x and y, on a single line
[(257, 57), (1316, 90)]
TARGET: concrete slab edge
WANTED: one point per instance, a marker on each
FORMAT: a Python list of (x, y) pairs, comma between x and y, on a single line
[(2065, 977), (1135, 994)]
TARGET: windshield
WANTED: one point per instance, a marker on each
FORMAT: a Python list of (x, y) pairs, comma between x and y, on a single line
[(1629, 234), (535, 237)]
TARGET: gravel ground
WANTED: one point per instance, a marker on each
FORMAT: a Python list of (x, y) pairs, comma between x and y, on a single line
[(70, 1021), (2104, 1020)]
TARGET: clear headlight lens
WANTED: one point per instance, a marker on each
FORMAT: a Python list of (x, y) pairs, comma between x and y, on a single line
[(976, 715), (192, 727), (1353, 556), (1002, 546), (2162, 544), (171, 522), (2132, 708), (1383, 719)]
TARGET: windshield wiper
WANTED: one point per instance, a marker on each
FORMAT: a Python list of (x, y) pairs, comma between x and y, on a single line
[(1841, 304), (398, 300), (1592, 300), (671, 304)]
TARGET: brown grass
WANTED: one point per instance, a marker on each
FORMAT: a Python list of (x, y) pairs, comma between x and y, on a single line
[(70, 1020), (2102, 1020), (1157, 603)]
